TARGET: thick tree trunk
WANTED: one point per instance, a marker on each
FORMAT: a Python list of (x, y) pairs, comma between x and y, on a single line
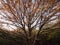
[(30, 38), (29, 42)]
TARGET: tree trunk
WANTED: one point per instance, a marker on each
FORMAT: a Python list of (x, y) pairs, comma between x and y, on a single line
[(29, 42)]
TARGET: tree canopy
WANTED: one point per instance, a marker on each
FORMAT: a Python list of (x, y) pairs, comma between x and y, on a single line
[(29, 13)]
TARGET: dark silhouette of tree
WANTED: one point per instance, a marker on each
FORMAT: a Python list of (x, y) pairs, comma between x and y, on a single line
[(29, 13)]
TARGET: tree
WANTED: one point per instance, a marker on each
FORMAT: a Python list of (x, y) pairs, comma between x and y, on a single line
[(29, 13)]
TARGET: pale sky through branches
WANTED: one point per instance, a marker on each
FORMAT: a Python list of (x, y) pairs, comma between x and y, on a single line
[(8, 24)]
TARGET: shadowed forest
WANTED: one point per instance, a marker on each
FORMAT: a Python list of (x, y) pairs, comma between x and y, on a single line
[(29, 22), (47, 37)]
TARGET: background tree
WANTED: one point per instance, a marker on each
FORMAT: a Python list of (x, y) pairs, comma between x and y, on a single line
[(30, 14)]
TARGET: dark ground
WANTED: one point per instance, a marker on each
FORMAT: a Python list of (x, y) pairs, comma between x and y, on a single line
[(47, 37)]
